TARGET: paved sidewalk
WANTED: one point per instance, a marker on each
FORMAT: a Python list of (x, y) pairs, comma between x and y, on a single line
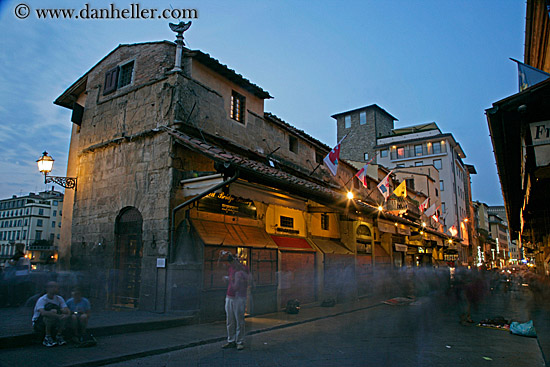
[(123, 347), (16, 325)]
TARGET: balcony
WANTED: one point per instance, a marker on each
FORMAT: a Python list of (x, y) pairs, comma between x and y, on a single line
[(405, 207), (416, 152)]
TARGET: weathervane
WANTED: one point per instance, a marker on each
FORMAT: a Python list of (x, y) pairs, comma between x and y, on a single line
[(179, 29)]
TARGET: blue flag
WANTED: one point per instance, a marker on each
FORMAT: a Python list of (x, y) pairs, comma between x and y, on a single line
[(529, 75)]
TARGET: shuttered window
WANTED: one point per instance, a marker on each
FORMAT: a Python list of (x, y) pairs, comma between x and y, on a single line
[(111, 81)]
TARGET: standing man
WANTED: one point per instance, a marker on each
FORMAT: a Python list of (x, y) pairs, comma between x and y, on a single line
[(235, 302), (50, 311)]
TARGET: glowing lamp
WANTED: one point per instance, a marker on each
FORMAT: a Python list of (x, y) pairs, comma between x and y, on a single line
[(45, 163), (380, 208), (350, 195)]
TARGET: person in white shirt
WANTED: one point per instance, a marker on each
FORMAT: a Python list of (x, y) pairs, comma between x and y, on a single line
[(51, 311)]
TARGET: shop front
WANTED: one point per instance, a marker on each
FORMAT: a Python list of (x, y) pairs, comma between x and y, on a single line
[(338, 269)]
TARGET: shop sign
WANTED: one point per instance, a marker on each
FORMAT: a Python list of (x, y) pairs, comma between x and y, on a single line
[(400, 248), (222, 203), (540, 136), (384, 226)]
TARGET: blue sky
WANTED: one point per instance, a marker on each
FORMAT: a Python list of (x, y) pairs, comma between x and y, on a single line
[(442, 61)]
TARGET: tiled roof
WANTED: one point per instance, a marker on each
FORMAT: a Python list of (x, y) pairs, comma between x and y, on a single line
[(255, 168), (300, 133)]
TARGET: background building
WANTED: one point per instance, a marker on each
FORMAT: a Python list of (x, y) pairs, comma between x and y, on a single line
[(34, 220)]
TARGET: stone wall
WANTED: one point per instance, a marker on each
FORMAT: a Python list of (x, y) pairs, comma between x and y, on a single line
[(361, 139)]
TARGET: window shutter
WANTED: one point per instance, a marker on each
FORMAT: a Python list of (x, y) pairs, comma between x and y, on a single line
[(111, 80)]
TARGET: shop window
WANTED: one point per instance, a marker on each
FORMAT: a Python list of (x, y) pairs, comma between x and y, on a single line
[(324, 221), (263, 265), (213, 269), (286, 222)]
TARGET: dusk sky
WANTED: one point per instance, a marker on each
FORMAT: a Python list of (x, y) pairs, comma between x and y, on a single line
[(422, 61)]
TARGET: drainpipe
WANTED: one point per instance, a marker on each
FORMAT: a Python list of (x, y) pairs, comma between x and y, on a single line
[(192, 200)]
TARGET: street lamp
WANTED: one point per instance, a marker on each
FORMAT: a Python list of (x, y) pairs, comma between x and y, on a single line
[(45, 166)]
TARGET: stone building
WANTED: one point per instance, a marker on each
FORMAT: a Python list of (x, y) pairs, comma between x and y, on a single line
[(35, 221), (176, 166), (361, 127)]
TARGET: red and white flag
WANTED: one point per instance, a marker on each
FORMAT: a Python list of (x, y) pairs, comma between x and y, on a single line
[(384, 186), (453, 231), (332, 158), (424, 205), (362, 175)]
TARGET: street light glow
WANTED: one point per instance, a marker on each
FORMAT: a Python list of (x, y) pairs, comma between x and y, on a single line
[(350, 195), (45, 163), (380, 208)]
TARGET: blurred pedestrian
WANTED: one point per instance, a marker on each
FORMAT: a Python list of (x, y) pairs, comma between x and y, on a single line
[(238, 277)]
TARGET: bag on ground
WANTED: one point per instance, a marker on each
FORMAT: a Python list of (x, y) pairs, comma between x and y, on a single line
[(525, 329)]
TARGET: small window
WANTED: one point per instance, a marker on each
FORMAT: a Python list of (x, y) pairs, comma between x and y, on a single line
[(441, 186), (401, 152), (383, 153), (418, 164), (39, 222), (287, 222), (400, 165), (55, 213), (40, 211), (53, 224), (362, 118), (125, 75), (366, 156), (347, 121), (436, 147), (293, 144), (442, 207), (52, 237), (324, 221), (436, 192), (111, 80), (237, 107), (409, 182), (38, 236), (418, 150), (55, 203), (437, 164)]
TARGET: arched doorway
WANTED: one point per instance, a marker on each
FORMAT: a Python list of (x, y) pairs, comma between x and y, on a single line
[(128, 253)]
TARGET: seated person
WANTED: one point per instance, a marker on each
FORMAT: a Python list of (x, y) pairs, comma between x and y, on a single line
[(80, 313), (50, 312)]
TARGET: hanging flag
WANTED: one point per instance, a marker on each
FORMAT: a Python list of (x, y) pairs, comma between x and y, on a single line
[(424, 205), (453, 231), (431, 210), (401, 190), (362, 175), (529, 75), (384, 186), (332, 158), (437, 214)]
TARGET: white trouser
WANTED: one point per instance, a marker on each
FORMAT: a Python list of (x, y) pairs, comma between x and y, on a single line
[(234, 310)]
